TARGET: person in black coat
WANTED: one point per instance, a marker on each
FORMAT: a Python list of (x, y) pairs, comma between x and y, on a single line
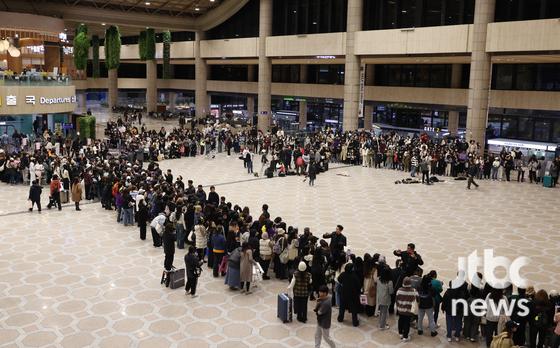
[(142, 216), (411, 260), (213, 197), (312, 173), (193, 268), (350, 294), (338, 241), (35, 195), (168, 245)]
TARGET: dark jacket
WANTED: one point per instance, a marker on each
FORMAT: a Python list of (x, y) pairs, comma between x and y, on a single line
[(338, 241), (350, 292), (214, 199), (409, 263), (219, 242), (191, 264), (169, 242), (142, 214), (35, 193)]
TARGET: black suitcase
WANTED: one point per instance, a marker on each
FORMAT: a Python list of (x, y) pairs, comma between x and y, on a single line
[(285, 308), (177, 279)]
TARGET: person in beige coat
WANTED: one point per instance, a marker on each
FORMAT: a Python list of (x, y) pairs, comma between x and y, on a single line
[(246, 267), (370, 284), (76, 193)]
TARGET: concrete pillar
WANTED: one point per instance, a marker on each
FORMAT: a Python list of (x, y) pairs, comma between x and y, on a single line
[(453, 120), (303, 114), (265, 67), (479, 87), (251, 108), (52, 58), (251, 73), (368, 116), (202, 103), (82, 100), (113, 93), (352, 67), (151, 90), (172, 100), (303, 73)]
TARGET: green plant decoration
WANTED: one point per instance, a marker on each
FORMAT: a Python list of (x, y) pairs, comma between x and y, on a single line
[(166, 54), (81, 48), (112, 47), (95, 56), (150, 44), (86, 127), (142, 45)]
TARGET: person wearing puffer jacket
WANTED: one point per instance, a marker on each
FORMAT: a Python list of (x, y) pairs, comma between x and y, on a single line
[(200, 238), (265, 252)]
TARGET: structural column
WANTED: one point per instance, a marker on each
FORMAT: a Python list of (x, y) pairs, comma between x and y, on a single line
[(453, 121), (52, 58), (113, 94), (352, 67), (172, 100), (302, 114), (251, 106), (151, 90), (479, 88), (82, 100), (202, 103), (368, 108), (265, 67)]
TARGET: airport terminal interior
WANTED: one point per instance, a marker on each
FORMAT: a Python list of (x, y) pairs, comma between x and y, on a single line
[(279, 173)]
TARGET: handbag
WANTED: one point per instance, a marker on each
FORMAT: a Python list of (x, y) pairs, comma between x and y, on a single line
[(363, 299), (284, 256), (414, 308)]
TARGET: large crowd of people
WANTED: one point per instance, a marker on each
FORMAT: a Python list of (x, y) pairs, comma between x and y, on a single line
[(234, 242)]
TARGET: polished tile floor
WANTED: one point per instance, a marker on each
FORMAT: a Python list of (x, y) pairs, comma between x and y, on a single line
[(75, 279)]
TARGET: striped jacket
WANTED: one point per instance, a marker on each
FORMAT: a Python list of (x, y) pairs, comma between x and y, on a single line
[(405, 297)]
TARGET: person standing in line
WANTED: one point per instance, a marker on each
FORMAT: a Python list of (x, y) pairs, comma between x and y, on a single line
[(76, 193), (169, 237), (383, 294), (300, 286), (142, 216), (472, 172), (312, 173), (249, 160), (35, 195), (55, 193), (246, 267), (323, 309), (193, 269), (405, 298)]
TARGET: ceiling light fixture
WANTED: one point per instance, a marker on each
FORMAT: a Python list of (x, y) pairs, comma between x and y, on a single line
[(103, 24), (197, 8), (148, 3)]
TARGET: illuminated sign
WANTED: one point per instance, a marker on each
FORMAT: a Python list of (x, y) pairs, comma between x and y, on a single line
[(11, 100)]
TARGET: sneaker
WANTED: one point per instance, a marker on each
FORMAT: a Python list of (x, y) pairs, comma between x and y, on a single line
[(456, 339), (248, 292), (433, 334), (401, 336), (472, 339), (406, 339), (194, 296), (448, 339)]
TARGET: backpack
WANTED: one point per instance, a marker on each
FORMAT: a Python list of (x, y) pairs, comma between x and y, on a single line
[(426, 300), (277, 248)]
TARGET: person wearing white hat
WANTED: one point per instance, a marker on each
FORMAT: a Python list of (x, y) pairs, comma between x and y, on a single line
[(300, 287)]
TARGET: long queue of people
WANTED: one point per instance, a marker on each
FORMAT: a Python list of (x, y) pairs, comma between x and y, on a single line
[(231, 242)]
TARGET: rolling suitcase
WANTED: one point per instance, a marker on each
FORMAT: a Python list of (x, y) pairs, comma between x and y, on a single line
[(177, 279), (284, 308), (547, 181), (64, 197)]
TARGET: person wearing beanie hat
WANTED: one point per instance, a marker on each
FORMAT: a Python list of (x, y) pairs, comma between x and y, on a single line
[(265, 253), (406, 299), (300, 286)]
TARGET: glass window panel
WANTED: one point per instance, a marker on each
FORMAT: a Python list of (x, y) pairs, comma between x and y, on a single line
[(542, 130), (389, 14), (432, 13), (495, 125), (440, 76), (525, 128), (453, 13), (408, 75), (406, 15), (556, 132), (422, 78), (509, 127), (504, 76), (395, 74), (531, 9), (525, 77)]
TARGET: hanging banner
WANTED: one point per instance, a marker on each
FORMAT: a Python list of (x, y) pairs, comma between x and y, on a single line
[(362, 90)]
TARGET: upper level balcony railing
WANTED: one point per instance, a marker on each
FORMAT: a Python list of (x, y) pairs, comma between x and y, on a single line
[(8, 78)]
